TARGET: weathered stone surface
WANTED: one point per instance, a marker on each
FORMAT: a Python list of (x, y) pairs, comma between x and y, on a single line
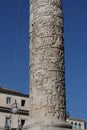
[(47, 82)]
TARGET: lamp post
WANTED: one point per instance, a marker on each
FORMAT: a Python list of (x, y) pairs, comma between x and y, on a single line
[(15, 109)]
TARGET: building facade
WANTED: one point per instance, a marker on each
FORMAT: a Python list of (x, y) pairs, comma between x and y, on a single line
[(10, 99), (77, 123)]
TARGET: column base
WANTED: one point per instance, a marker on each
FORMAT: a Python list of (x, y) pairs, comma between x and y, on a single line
[(48, 125)]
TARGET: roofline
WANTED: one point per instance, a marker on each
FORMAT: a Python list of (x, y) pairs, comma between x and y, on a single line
[(13, 92), (76, 119)]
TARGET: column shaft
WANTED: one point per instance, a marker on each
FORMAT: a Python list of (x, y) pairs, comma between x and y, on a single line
[(47, 82)]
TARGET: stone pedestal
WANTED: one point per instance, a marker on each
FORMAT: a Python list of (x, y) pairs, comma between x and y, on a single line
[(47, 82), (48, 125), (47, 128)]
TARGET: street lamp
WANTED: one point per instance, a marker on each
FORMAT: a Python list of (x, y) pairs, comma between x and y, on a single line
[(15, 109)]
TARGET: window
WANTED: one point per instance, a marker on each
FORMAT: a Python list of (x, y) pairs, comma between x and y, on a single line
[(79, 125), (72, 123), (23, 103), (8, 100), (75, 125), (7, 121), (22, 122)]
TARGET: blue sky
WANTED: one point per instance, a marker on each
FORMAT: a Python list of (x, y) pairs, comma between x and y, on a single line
[(14, 44), (75, 27)]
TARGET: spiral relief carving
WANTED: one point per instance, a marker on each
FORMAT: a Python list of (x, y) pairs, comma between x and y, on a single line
[(47, 79)]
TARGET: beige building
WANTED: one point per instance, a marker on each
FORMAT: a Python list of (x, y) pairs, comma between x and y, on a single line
[(77, 123), (9, 100)]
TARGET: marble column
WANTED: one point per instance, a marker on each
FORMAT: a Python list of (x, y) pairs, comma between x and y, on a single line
[(47, 72)]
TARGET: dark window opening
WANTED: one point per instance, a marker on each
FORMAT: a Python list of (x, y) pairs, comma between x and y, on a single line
[(22, 102), (22, 122), (8, 100), (71, 123)]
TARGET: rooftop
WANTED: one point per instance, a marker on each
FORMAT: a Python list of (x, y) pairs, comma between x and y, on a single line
[(12, 92)]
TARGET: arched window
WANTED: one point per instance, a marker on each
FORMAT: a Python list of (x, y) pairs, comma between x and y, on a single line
[(72, 123), (79, 125), (75, 124)]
